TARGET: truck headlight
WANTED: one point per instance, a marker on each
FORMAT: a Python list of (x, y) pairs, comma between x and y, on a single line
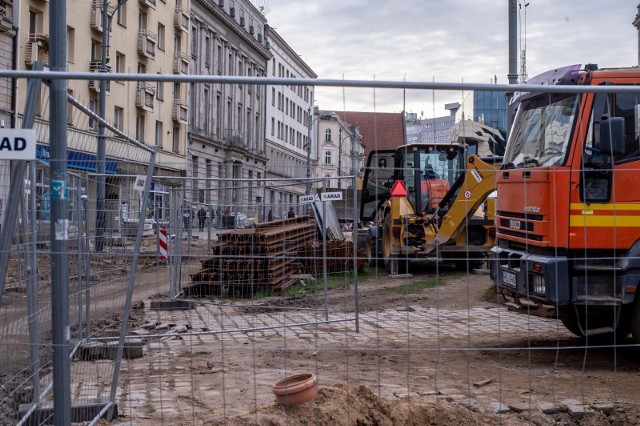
[(537, 284)]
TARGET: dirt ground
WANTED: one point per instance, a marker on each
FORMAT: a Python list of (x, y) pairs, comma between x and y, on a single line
[(529, 377)]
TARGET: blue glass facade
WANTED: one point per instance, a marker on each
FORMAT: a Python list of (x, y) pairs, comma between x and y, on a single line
[(491, 108)]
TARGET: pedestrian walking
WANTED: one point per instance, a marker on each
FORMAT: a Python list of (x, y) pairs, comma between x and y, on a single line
[(270, 216), (202, 217), (291, 213)]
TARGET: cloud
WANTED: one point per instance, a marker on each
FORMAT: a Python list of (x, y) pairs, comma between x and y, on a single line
[(445, 41)]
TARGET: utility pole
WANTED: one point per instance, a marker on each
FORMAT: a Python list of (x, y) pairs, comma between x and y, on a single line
[(102, 140), (339, 157), (310, 121)]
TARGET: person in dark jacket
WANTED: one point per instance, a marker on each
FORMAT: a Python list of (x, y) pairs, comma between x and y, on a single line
[(291, 213), (202, 217), (270, 216)]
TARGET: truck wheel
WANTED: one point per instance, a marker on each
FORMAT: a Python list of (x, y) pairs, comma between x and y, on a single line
[(571, 321), (635, 322), (569, 318)]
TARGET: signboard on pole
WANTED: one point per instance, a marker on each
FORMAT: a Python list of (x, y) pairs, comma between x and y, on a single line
[(17, 144), (306, 199), (331, 196)]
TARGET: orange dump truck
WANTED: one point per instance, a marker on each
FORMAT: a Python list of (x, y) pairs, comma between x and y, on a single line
[(568, 213)]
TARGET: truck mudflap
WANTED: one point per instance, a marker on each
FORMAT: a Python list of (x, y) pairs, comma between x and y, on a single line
[(540, 278)]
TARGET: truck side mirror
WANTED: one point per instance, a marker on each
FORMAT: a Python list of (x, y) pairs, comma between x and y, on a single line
[(612, 136)]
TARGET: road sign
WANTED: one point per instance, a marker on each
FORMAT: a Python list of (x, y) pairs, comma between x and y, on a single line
[(331, 196), (306, 199), (17, 144)]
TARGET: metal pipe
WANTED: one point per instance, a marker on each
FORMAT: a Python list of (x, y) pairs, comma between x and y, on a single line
[(58, 188)]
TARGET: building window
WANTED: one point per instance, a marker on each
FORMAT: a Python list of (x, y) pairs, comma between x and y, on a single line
[(327, 135), (176, 139), (158, 133), (140, 128), (71, 39), (207, 51), (194, 41), (142, 21), (118, 118), (160, 90), (176, 91), (121, 14), (93, 106), (273, 126), (327, 157), (161, 36)]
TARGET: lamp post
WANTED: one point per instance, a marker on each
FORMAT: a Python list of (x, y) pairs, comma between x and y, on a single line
[(102, 107), (339, 157), (310, 121)]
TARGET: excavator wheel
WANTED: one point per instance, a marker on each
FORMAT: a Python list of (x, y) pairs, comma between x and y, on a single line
[(392, 264), (373, 249)]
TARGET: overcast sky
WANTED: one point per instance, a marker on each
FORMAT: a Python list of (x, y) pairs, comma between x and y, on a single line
[(444, 41)]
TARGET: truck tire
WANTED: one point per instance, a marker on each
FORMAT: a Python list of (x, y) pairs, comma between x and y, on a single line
[(571, 321), (569, 318), (635, 322)]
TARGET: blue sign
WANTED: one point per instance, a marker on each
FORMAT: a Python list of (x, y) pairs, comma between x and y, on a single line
[(78, 160)]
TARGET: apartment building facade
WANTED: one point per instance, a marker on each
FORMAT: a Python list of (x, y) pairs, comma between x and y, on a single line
[(340, 149), (226, 131), (290, 145), (146, 37)]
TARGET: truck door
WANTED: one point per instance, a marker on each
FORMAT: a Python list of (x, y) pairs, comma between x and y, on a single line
[(378, 177)]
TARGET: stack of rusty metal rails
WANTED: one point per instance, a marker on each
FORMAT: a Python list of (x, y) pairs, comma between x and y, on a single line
[(265, 256), (339, 257)]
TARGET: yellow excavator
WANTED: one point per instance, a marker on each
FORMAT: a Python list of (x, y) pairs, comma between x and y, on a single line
[(433, 201)]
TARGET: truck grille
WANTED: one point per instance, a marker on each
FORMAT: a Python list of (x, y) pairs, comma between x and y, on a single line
[(518, 225)]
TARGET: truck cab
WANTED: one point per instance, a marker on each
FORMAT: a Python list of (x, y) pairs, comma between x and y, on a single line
[(567, 218)]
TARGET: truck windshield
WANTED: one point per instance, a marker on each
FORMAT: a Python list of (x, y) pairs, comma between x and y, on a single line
[(541, 131)]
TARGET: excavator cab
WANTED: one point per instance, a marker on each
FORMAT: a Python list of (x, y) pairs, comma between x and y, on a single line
[(428, 171)]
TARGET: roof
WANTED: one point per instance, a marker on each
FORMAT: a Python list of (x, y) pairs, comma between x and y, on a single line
[(379, 130)]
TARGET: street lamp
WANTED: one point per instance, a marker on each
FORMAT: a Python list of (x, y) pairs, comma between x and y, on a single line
[(310, 121), (102, 107), (339, 157)]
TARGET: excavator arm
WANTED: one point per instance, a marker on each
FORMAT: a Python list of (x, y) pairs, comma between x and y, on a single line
[(479, 180)]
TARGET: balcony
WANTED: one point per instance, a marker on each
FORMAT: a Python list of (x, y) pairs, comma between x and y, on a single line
[(94, 85), (181, 19), (180, 112), (234, 139), (147, 42), (36, 49), (145, 93), (96, 17), (148, 3), (181, 63)]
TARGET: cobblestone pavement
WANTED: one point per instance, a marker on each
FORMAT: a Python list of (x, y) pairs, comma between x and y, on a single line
[(186, 368)]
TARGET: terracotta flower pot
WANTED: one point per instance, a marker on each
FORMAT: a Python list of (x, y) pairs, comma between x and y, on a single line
[(296, 390)]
